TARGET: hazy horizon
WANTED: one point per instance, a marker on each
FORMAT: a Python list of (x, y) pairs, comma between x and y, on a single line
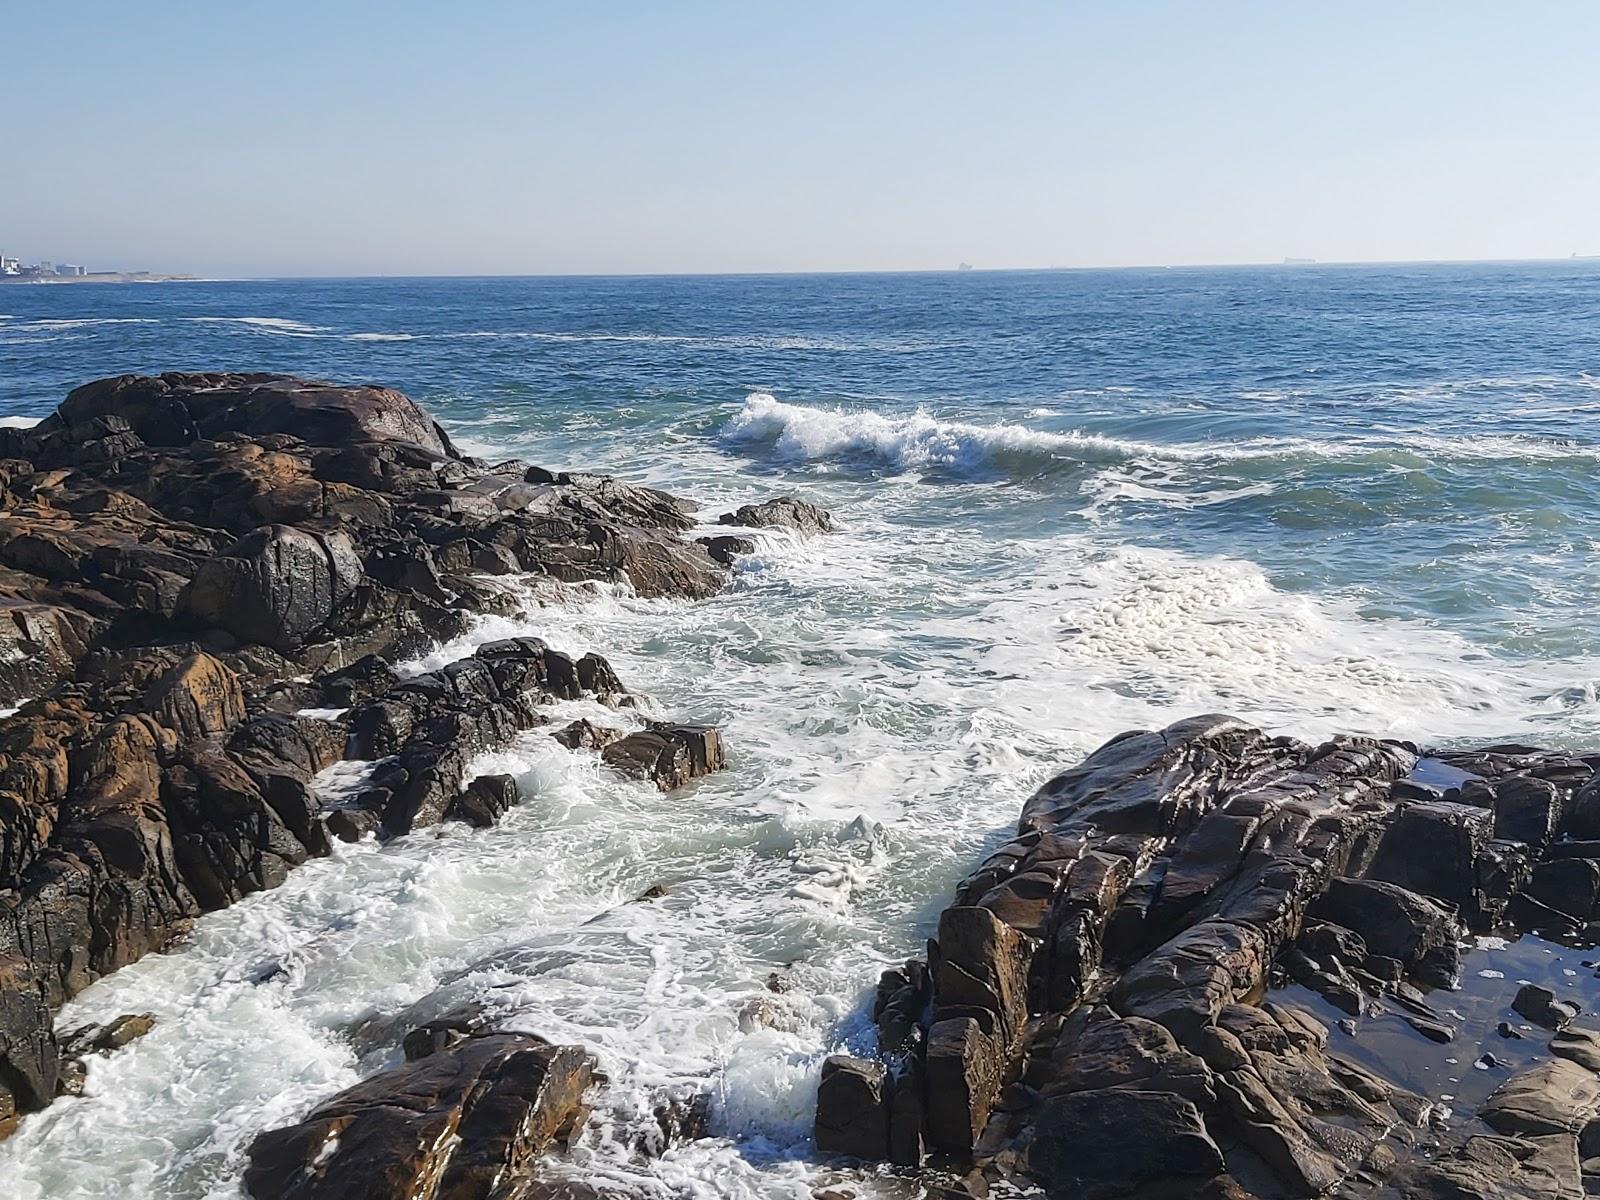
[(715, 139), (1290, 264)]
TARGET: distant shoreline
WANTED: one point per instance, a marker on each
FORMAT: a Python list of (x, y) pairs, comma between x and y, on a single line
[(101, 277)]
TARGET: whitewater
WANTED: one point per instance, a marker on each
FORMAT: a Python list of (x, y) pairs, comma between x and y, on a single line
[(1047, 535)]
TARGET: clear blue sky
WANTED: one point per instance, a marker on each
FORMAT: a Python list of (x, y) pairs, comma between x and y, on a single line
[(346, 137)]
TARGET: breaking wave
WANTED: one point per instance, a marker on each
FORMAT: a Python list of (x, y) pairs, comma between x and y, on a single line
[(922, 442)]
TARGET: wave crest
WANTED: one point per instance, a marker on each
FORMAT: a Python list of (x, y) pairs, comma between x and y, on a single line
[(922, 442), (918, 442)]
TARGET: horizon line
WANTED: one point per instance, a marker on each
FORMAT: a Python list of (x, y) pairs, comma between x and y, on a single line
[(963, 269)]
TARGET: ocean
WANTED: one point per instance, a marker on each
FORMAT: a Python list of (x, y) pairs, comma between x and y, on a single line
[(1321, 498)]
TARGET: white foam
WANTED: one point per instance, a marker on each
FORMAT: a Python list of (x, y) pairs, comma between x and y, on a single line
[(52, 324), (890, 694), (19, 422), (282, 326), (922, 441), (906, 443)]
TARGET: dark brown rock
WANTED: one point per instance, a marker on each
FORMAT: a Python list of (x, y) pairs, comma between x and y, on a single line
[(727, 547), (668, 755), (584, 734), (186, 561), (1094, 1145), (458, 1124), (1541, 1007), (113, 1035), (277, 586), (853, 1108), (485, 800), (1397, 923), (782, 512)]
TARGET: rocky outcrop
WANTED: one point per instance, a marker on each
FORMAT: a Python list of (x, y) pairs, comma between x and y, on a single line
[(465, 1122), (189, 563), (781, 512), (1098, 1018), (667, 755), (322, 522)]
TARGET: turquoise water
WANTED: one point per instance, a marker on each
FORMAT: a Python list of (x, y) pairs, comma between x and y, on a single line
[(1322, 498)]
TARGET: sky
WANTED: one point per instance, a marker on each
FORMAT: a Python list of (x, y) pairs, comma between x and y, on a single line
[(491, 137)]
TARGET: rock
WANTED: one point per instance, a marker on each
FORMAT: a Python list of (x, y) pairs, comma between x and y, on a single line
[(727, 547), (669, 755), (1109, 1142), (1097, 1004), (1581, 1046), (1397, 923), (680, 1118), (173, 409), (189, 560), (1541, 1007), (30, 1057), (277, 586), (965, 1070), (197, 698), (457, 1123), (782, 512), (1583, 818), (1554, 1097), (584, 734), (1491, 1168), (485, 800), (352, 824), (443, 1032), (71, 1082), (1568, 885), (362, 680), (40, 644), (852, 1108), (1435, 849), (103, 1039), (1527, 809)]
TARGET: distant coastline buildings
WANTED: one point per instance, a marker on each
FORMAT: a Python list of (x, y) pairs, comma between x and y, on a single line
[(16, 268)]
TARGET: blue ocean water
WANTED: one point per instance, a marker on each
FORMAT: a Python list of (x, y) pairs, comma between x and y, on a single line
[(1422, 437), (1322, 498)]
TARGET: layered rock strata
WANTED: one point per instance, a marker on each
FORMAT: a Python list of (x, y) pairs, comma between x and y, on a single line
[(204, 581), (1096, 1016)]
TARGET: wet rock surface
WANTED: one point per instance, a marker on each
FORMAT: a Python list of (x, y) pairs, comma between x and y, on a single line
[(464, 1122), (1159, 987), (205, 583), (667, 755), (781, 512)]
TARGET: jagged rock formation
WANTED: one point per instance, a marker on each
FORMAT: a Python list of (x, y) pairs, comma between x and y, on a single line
[(190, 563), (464, 1122), (1095, 1016), (780, 512)]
